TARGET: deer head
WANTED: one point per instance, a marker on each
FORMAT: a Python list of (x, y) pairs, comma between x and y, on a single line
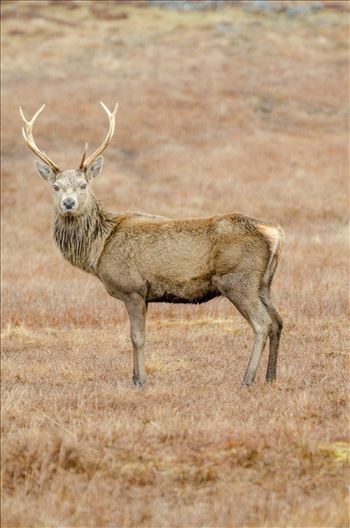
[(71, 187)]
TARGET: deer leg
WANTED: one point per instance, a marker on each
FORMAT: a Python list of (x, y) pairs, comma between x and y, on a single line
[(261, 324), (275, 334), (136, 307), (243, 292)]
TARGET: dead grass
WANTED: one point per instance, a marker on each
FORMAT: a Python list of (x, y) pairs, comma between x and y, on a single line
[(219, 112)]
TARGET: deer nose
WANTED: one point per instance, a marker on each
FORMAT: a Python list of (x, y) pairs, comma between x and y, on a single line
[(68, 203)]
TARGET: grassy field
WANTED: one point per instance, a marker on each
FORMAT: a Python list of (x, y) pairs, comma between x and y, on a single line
[(218, 112)]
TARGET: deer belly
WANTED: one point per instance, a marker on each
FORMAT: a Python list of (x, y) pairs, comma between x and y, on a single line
[(193, 291), (177, 270)]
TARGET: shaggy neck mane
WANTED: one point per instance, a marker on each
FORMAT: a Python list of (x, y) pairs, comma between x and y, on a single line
[(81, 238)]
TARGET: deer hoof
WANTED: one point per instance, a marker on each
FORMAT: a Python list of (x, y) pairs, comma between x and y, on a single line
[(138, 382)]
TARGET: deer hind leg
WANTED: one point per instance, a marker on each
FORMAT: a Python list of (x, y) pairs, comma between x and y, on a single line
[(243, 291), (260, 322), (136, 307), (275, 334), (275, 237)]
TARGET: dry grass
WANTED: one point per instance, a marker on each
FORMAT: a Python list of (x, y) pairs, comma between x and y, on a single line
[(219, 112)]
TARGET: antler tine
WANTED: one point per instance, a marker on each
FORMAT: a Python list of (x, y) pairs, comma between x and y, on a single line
[(81, 166), (101, 148), (27, 132), (31, 123)]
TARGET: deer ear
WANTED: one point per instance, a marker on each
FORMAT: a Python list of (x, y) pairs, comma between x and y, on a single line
[(95, 168), (45, 171)]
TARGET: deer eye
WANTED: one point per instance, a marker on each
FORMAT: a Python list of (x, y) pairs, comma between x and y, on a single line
[(56, 188), (83, 186)]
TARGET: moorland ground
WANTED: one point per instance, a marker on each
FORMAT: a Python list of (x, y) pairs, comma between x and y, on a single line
[(219, 112)]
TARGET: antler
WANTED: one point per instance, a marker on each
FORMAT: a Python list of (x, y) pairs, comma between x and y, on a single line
[(27, 132), (111, 117)]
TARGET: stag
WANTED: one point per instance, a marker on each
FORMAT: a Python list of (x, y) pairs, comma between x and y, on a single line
[(142, 258)]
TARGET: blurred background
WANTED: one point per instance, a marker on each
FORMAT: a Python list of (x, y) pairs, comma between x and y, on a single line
[(223, 106)]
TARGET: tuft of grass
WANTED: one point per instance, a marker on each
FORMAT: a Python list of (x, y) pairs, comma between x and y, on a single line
[(153, 367), (338, 450), (28, 337)]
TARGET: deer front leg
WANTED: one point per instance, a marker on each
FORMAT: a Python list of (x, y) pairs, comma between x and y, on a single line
[(136, 307)]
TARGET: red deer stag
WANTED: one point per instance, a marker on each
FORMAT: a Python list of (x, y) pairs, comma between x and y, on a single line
[(142, 258)]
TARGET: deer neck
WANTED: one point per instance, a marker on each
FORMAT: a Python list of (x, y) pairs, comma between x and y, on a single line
[(81, 238)]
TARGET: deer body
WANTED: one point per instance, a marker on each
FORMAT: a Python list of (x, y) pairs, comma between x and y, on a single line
[(143, 258), (177, 260)]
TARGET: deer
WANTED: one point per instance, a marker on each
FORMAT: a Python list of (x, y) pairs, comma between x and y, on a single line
[(142, 258)]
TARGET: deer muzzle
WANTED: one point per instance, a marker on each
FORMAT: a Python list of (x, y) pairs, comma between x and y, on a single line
[(69, 204)]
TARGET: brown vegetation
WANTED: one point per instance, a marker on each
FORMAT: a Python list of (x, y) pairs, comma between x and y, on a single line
[(218, 112)]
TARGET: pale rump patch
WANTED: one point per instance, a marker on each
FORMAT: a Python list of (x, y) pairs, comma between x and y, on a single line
[(275, 237)]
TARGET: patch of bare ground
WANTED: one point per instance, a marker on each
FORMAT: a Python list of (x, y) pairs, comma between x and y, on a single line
[(219, 111)]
